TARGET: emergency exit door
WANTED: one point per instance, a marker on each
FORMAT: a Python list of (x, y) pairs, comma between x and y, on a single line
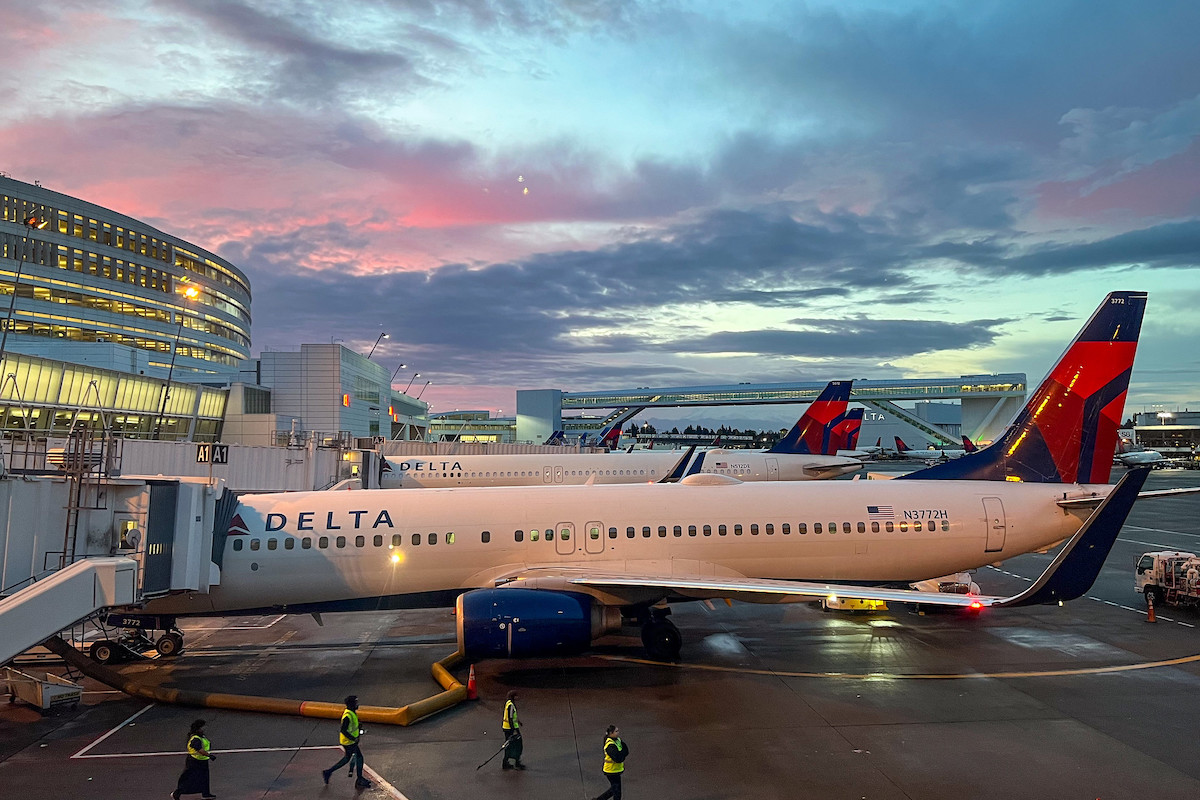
[(993, 511)]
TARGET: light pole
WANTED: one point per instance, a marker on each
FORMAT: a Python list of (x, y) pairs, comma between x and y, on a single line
[(31, 224), (190, 293), (378, 339), (397, 372), (423, 388), (410, 381)]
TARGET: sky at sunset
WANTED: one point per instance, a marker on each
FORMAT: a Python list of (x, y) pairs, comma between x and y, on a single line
[(592, 194)]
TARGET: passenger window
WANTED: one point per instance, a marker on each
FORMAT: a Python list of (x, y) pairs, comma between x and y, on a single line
[(874, 527), (708, 530), (646, 532), (737, 530), (630, 532), (433, 538), (593, 533), (416, 538), (662, 530), (378, 540), (916, 526), (786, 528), (612, 533), (904, 527), (237, 544), (254, 545), (306, 543), (341, 541), (945, 524), (678, 530), (845, 527), (533, 536), (754, 529), (769, 529), (691, 530), (486, 536), (450, 537), (395, 540), (817, 527), (360, 541), (564, 534), (802, 527), (889, 526), (721, 531), (323, 543), (862, 527), (832, 527), (289, 544)]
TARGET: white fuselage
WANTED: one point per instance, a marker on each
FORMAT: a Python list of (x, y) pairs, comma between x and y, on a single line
[(421, 548), (640, 466)]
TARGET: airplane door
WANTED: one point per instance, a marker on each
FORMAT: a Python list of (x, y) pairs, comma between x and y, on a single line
[(993, 511), (772, 469), (593, 538), (564, 539)]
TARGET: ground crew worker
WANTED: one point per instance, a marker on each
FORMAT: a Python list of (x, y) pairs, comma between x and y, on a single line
[(348, 736), (194, 779), (615, 753), (513, 745)]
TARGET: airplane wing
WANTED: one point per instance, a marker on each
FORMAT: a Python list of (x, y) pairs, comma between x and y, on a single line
[(1070, 574), (1155, 494)]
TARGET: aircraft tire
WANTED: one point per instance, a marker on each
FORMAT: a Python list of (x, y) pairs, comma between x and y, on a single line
[(662, 640)]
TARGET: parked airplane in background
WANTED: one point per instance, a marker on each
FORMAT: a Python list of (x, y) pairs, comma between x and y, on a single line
[(780, 463), (547, 570), (935, 454), (1139, 458)]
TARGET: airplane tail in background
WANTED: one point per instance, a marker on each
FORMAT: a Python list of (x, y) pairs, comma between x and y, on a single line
[(811, 433), (968, 445), (900, 445), (558, 437), (845, 431), (1067, 432)]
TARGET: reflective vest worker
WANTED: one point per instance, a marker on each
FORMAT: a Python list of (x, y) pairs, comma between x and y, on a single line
[(348, 735), (513, 743), (194, 779), (615, 753)]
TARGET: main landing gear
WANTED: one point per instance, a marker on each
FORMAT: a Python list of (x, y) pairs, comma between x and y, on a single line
[(133, 640), (660, 637)]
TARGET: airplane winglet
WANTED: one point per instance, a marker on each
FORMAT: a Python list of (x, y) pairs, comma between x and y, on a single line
[(680, 467), (1074, 569)]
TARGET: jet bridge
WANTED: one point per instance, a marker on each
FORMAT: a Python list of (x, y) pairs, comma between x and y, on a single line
[(151, 536)]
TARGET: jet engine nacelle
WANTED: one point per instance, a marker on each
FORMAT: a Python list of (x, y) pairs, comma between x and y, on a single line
[(519, 623)]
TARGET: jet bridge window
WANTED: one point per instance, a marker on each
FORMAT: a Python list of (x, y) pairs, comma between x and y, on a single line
[(237, 544)]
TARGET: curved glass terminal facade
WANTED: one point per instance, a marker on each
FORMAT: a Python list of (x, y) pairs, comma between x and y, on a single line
[(93, 275)]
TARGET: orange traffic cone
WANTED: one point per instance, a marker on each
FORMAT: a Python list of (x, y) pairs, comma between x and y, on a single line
[(472, 694), (1150, 607)]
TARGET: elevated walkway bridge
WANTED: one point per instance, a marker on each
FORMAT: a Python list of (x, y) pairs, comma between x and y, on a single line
[(988, 401)]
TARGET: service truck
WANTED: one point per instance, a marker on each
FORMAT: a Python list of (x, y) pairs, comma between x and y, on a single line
[(1170, 577)]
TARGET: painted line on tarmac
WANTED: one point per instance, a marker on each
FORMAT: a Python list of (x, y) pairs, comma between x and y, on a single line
[(80, 754), (1141, 611), (1050, 673), (383, 784), (1161, 530), (214, 752)]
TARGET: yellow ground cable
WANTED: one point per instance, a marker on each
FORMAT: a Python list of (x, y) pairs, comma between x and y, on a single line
[(453, 694)]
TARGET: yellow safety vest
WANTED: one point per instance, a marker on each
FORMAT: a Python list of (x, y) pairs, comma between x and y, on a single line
[(609, 764), (194, 752), (510, 716), (352, 727)]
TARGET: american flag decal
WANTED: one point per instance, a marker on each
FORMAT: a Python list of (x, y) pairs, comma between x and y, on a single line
[(880, 512), (722, 464)]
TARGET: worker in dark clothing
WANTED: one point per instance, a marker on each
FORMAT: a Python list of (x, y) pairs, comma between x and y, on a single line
[(348, 736), (513, 745), (615, 753), (194, 779)]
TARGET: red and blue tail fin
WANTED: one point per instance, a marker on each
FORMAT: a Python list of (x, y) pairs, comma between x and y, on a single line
[(968, 445), (900, 445), (1067, 432), (845, 431), (810, 435)]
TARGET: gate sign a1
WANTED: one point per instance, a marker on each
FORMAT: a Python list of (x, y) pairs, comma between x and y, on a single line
[(212, 453)]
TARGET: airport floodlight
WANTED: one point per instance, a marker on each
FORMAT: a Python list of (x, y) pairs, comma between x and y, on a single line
[(397, 372), (410, 381), (32, 222), (190, 293), (423, 388), (378, 339)]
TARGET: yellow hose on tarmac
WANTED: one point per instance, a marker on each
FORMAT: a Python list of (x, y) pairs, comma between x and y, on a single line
[(453, 693)]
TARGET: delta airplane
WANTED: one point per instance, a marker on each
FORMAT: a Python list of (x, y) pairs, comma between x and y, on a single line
[(934, 454), (545, 570), (789, 460)]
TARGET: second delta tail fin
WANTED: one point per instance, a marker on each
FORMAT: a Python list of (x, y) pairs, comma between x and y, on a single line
[(811, 433)]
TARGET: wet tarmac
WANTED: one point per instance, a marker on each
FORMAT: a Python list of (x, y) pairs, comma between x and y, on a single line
[(1087, 700)]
